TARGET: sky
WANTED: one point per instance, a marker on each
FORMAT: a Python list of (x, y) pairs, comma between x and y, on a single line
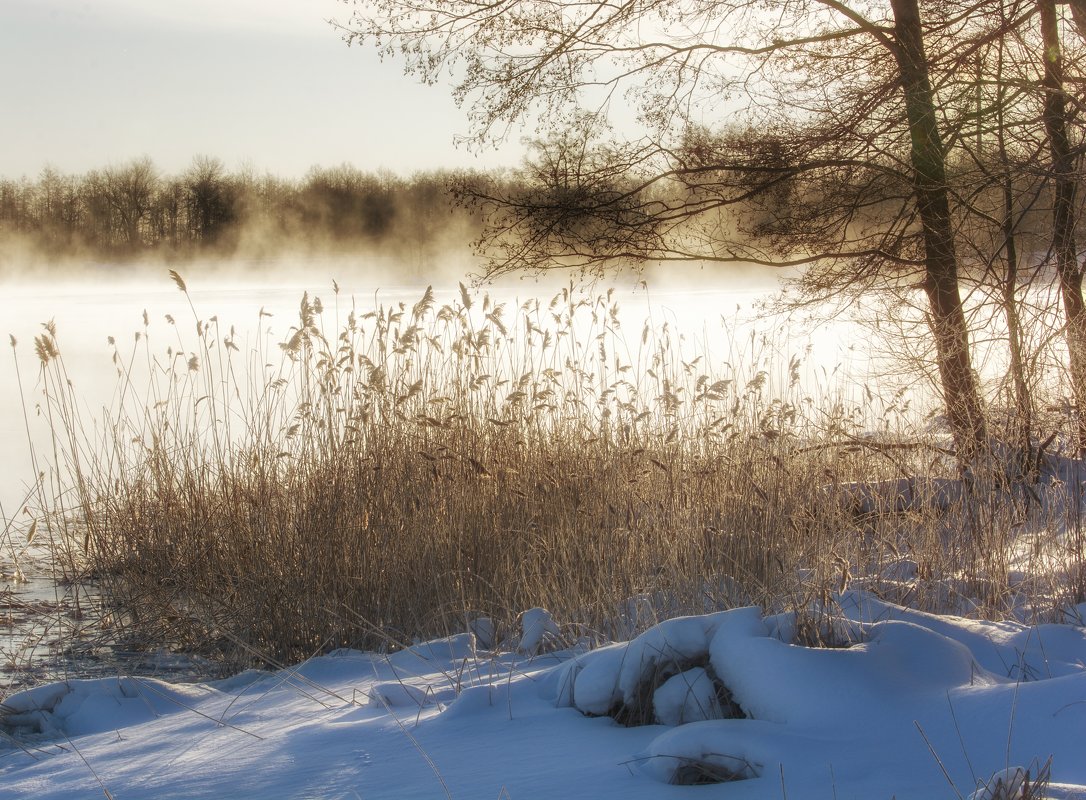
[(263, 83)]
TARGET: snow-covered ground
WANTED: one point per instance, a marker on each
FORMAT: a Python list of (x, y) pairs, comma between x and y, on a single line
[(908, 705)]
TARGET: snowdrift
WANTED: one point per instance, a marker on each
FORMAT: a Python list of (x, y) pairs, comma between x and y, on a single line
[(906, 704)]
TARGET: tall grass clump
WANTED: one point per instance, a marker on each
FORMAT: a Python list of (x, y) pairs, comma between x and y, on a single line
[(374, 476)]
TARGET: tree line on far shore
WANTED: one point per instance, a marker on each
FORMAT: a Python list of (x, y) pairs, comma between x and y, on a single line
[(133, 211)]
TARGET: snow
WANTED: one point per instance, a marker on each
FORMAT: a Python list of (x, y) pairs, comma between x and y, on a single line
[(539, 629), (915, 706), (687, 697)]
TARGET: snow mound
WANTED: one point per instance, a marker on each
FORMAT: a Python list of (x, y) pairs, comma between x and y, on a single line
[(622, 680), (1011, 649), (539, 632), (1016, 783), (398, 695), (485, 631), (80, 707), (719, 752), (779, 682), (687, 697), (457, 648), (913, 706), (718, 681)]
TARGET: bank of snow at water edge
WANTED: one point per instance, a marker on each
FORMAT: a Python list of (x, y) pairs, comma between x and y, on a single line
[(914, 696)]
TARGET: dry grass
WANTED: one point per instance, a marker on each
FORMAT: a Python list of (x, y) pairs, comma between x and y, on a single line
[(390, 474)]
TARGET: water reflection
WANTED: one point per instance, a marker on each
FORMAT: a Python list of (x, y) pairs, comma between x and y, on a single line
[(53, 630)]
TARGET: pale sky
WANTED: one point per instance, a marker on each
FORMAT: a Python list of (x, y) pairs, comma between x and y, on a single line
[(88, 83)]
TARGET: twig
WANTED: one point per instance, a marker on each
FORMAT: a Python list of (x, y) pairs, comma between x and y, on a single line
[(415, 742), (938, 760), (105, 791)]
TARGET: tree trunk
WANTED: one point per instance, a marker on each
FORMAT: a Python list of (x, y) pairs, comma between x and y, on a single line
[(959, 384), (1022, 398), (1063, 211)]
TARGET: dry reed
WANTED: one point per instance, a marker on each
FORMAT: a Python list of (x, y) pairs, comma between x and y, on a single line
[(391, 474)]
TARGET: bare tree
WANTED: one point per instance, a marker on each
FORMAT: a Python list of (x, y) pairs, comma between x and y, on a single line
[(129, 190), (933, 204), (209, 206), (994, 183), (1009, 228), (1065, 185), (839, 92)]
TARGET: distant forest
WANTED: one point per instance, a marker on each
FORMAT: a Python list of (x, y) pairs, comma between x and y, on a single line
[(421, 224), (133, 211)]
